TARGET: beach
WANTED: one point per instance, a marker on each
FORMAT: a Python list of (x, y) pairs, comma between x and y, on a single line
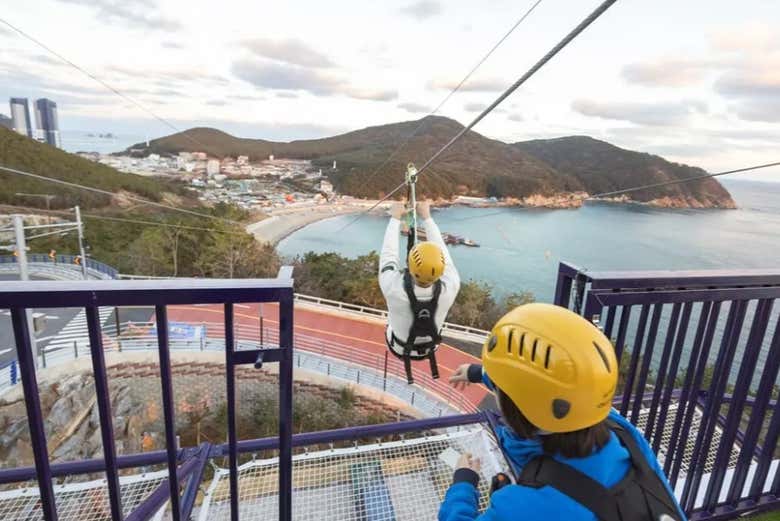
[(283, 222)]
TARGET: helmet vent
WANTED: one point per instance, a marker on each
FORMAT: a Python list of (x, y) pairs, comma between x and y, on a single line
[(547, 357), (603, 356), (509, 341), (522, 343), (533, 350)]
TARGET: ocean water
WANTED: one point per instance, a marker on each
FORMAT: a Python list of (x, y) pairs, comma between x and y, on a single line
[(81, 141), (521, 248)]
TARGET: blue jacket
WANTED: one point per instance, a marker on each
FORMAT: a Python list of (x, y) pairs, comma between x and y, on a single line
[(608, 466)]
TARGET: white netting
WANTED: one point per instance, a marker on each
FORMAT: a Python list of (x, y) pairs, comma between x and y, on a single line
[(87, 501), (401, 480), (689, 437)]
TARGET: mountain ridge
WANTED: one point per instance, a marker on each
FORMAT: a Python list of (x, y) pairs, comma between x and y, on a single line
[(535, 173)]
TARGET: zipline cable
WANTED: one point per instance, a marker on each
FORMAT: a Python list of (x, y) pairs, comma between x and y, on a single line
[(112, 194), (533, 70), (453, 91), (102, 82)]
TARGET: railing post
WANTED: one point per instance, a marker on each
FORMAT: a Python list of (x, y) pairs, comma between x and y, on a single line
[(104, 410), (384, 377), (285, 404), (166, 379), (32, 403), (76, 349), (43, 358), (116, 320), (230, 379)]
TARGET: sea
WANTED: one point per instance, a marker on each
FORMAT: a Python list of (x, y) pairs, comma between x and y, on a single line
[(520, 249), (103, 143)]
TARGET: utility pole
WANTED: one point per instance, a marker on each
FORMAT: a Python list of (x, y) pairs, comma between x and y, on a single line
[(21, 259), (80, 226)]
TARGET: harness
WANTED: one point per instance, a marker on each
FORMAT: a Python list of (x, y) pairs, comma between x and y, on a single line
[(423, 325), (639, 496)]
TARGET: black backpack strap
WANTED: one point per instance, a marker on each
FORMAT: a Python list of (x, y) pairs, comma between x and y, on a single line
[(546, 471), (649, 480)]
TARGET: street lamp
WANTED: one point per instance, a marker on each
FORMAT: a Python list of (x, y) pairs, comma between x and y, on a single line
[(48, 198)]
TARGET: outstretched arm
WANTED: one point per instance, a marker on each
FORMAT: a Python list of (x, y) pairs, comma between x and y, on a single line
[(450, 278), (389, 263)]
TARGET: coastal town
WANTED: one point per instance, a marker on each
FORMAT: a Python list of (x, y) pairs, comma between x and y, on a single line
[(288, 194)]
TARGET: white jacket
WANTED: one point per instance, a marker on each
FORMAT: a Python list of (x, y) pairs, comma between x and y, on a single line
[(391, 281)]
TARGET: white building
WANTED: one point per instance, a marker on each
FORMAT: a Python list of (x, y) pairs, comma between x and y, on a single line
[(212, 167)]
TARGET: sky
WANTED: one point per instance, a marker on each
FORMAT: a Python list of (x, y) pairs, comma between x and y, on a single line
[(696, 81)]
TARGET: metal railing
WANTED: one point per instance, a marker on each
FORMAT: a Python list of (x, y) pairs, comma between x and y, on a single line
[(62, 264), (19, 296), (467, 333), (383, 372), (707, 341)]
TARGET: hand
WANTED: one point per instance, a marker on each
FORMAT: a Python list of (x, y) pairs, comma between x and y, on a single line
[(424, 210), (459, 379), (467, 461), (397, 210)]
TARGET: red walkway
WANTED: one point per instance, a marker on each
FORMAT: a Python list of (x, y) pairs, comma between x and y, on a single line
[(362, 336)]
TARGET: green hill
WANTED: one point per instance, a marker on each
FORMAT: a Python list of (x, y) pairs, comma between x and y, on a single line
[(22, 153), (603, 167), (476, 165)]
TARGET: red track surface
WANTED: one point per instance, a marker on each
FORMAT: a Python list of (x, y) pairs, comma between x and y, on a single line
[(364, 335)]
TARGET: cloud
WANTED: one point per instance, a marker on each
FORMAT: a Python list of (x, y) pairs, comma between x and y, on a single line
[(474, 107), (244, 97), (476, 85), (762, 81), (767, 111), (667, 72), (172, 45), (286, 78), (650, 114), (274, 76), (747, 37), (216, 103), (164, 77), (136, 14), (414, 108), (292, 51), (422, 9), (372, 95), (285, 94), (515, 116)]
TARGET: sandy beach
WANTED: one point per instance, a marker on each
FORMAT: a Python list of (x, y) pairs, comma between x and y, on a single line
[(283, 222)]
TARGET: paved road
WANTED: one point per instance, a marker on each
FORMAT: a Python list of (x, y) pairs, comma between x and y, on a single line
[(63, 325)]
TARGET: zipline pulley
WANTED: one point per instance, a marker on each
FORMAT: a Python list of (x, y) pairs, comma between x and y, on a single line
[(411, 187)]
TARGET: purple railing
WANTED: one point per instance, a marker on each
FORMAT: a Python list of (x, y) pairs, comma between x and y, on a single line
[(186, 464), (710, 342)]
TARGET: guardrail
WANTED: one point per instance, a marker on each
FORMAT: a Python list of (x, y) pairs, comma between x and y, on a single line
[(712, 338), (19, 296), (384, 372), (448, 329), (61, 264)]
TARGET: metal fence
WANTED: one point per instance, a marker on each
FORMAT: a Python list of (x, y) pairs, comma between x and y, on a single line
[(63, 265), (183, 464), (696, 347)]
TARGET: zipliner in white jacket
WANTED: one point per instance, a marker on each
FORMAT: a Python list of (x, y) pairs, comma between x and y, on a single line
[(391, 281)]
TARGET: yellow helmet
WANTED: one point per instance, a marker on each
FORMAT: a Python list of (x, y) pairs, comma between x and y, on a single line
[(426, 263), (558, 368)]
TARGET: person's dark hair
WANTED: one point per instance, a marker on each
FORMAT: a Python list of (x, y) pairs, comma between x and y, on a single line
[(576, 444)]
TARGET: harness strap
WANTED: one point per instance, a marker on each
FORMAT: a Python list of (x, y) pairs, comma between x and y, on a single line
[(544, 470), (653, 486), (434, 367), (408, 366)]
